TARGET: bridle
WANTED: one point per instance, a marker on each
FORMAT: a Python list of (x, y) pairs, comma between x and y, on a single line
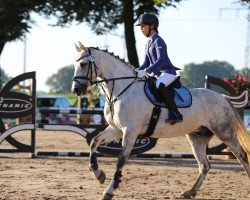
[(91, 60), (90, 72)]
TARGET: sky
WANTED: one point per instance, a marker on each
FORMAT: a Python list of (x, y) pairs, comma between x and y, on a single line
[(195, 31)]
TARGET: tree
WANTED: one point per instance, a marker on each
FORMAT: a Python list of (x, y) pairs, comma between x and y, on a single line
[(193, 75), (102, 16), (15, 18), (61, 81), (245, 1), (3, 77)]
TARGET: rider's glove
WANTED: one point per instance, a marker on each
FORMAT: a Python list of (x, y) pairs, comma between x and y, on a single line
[(141, 73), (151, 74)]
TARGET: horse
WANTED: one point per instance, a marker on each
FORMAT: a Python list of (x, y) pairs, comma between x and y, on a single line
[(128, 110)]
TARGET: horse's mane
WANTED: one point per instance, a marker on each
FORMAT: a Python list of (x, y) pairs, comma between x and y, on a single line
[(116, 56)]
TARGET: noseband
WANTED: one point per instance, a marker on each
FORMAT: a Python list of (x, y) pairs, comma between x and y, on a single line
[(91, 60)]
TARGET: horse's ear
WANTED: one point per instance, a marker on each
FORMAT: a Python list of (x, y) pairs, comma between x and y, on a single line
[(81, 46), (77, 48)]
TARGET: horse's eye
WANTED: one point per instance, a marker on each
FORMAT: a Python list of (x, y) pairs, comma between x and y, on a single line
[(82, 64)]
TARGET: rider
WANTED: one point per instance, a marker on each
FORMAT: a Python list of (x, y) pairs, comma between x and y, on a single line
[(158, 63)]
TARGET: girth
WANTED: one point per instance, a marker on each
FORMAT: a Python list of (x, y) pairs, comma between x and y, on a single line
[(153, 121)]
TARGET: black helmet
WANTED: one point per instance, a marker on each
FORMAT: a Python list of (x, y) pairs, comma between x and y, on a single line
[(148, 18)]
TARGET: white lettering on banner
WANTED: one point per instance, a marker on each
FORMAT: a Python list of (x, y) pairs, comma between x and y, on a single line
[(13, 105), (139, 143)]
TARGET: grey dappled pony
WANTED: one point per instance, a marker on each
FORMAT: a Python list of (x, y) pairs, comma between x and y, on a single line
[(128, 112)]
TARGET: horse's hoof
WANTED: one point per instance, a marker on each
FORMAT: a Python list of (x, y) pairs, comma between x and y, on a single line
[(188, 194), (101, 177), (107, 196)]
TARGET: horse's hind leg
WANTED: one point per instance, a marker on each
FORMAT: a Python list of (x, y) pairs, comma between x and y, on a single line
[(228, 134), (199, 141), (108, 135), (240, 154)]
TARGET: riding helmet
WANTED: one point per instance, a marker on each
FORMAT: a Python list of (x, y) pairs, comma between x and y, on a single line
[(148, 19)]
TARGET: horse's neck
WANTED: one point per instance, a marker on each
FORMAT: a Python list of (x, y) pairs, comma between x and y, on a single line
[(114, 68)]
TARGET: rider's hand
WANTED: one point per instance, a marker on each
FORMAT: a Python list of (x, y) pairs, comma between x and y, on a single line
[(141, 73), (151, 74)]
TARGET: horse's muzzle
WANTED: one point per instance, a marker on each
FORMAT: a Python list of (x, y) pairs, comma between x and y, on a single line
[(79, 89)]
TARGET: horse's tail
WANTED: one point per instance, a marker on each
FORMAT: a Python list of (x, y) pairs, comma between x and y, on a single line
[(242, 134)]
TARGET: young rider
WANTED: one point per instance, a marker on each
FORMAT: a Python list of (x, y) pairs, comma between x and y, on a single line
[(158, 63)]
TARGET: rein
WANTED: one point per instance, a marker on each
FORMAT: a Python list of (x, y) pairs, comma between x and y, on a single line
[(104, 80), (92, 59)]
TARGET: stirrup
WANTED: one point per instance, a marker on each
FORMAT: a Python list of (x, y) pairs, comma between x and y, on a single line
[(174, 117), (173, 121)]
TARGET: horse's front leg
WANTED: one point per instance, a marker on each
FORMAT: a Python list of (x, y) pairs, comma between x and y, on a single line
[(128, 142), (108, 135)]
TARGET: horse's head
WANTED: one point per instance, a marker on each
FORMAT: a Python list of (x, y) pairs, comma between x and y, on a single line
[(85, 70)]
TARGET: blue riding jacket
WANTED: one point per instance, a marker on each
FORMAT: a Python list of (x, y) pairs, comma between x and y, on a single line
[(156, 58)]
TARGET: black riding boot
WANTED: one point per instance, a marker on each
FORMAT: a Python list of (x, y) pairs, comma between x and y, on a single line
[(174, 116)]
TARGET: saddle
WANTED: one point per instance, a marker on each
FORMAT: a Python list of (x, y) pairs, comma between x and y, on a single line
[(182, 95)]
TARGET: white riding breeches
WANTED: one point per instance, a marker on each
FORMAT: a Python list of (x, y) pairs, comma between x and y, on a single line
[(166, 79)]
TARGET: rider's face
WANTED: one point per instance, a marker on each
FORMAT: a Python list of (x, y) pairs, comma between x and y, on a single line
[(144, 29)]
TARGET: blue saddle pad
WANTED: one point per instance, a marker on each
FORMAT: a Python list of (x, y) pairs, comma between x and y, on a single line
[(182, 96)]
